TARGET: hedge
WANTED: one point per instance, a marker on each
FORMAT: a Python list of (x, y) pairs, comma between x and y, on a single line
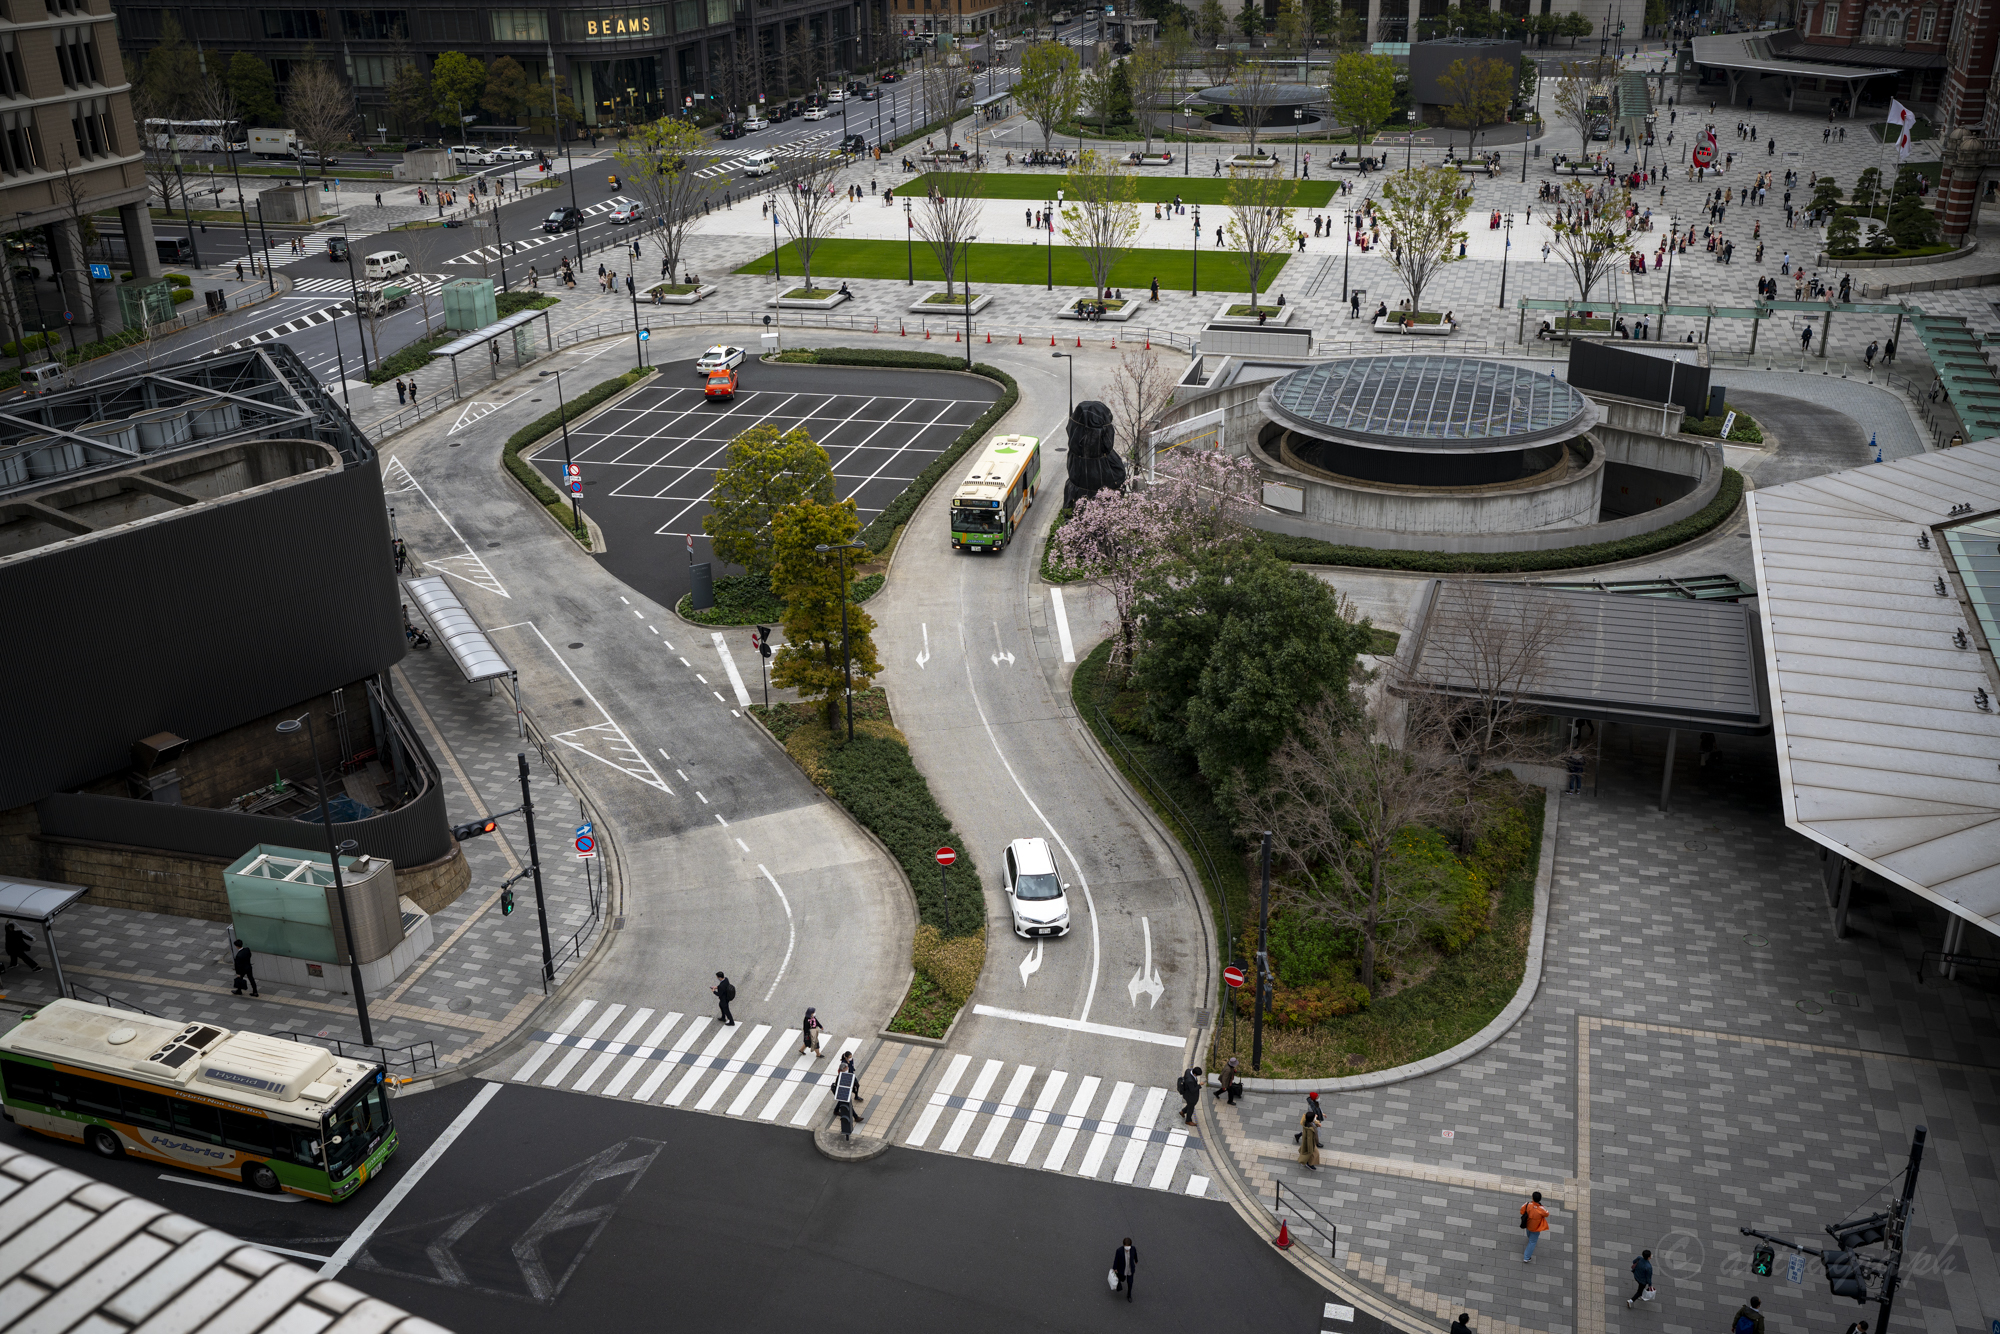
[(747, 599), (1313, 551), (103, 347), (524, 472), (875, 779)]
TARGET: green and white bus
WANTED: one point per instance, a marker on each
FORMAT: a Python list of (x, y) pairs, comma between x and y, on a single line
[(278, 1116), (994, 497)]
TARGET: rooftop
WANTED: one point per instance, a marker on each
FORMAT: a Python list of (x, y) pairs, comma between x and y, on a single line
[(1434, 403)]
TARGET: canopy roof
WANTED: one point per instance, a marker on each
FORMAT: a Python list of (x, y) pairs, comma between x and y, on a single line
[(1433, 403)]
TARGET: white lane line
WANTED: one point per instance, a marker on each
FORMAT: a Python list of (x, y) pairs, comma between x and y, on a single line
[(791, 929), (1197, 1186), (1062, 625), (704, 800), (729, 665), (741, 844), (724, 823), (1081, 1026), (643, 1057), (238, 1190), (1170, 1158), (359, 1238)]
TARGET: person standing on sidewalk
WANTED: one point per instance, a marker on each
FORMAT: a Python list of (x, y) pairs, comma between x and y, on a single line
[(725, 992), (1642, 1274), (853, 1083), (1536, 1220), (1125, 1268), (243, 970), (811, 1030), (843, 1099)]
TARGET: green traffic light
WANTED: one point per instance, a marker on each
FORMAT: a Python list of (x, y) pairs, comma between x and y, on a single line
[(1761, 1261), (506, 902)]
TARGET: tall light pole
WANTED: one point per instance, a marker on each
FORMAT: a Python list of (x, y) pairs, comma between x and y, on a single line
[(1505, 251), (1346, 244), (1071, 359), (291, 727), (909, 244), (846, 655), (562, 415), (1196, 284)]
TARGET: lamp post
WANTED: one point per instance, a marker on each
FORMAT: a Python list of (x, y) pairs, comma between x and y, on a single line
[(1508, 223), (354, 289), (241, 211), (846, 657), (1346, 244), (1667, 295), (1049, 239), (1071, 359), (909, 244), (1298, 120), (562, 415), (1195, 286), (291, 727), (269, 275)]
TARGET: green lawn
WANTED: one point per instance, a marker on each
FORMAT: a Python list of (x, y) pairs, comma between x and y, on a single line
[(1152, 189), (1023, 265)]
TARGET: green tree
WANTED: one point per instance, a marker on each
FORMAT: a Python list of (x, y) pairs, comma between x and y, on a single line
[(1476, 93), (1100, 212), (1866, 187), (1423, 210), (542, 97), (1212, 23), (506, 89), (1259, 227), (456, 83), (171, 76), (1574, 26), (762, 472), (1050, 87), (256, 93), (1293, 27), (1911, 223), (813, 586), (1250, 21), (1363, 91), (1235, 651)]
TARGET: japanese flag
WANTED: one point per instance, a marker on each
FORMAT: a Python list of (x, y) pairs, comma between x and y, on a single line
[(1902, 116)]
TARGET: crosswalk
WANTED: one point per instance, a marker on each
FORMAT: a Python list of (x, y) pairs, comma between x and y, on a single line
[(1110, 1130), (428, 283), (737, 159), (534, 240), (324, 315)]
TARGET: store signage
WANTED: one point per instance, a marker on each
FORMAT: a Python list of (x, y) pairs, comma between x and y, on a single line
[(613, 24)]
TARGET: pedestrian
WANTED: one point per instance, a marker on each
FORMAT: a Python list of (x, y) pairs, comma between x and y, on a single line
[(1308, 1135), (1229, 1085), (1868, 354), (378, 199), (239, 270), (1189, 1085), (813, 1031), (19, 943), (1642, 1274), (725, 992), (1749, 1318), (1535, 1219), (1462, 1325), (1889, 352), (402, 395), (1858, 1327), (1573, 763), (846, 1089), (243, 966), (1124, 1268)]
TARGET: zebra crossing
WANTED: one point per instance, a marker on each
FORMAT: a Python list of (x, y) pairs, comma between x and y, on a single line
[(534, 240), (1111, 1130), (737, 159), (428, 283), (324, 315)]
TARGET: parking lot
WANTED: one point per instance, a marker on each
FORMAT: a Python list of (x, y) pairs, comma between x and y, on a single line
[(648, 463)]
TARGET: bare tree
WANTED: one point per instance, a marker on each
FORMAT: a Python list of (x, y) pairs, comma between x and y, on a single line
[(1336, 800), (1253, 91), (657, 165), (807, 207), (1573, 98), (1260, 225), (161, 175), (74, 197), (1593, 235), (948, 222), (1423, 209), (321, 109), (1142, 389), (1100, 214), (938, 86)]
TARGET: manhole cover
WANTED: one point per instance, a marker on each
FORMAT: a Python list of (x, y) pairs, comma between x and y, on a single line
[(1811, 1007), (1755, 942), (1843, 998), (460, 1006), (1695, 845), (577, 644), (491, 545)]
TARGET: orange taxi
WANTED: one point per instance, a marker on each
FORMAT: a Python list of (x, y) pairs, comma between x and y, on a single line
[(721, 382)]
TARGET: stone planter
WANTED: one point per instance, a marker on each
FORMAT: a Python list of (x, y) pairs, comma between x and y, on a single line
[(1438, 330), (1114, 313), (1580, 169), (807, 303), (1151, 159), (1942, 257), (1283, 315), (1253, 163), (979, 303), (688, 298)]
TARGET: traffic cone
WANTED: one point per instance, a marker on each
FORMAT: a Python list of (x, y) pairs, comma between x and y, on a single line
[(954, 336), (1114, 342), (1020, 340), (1052, 340), (1079, 340), (989, 335), (1284, 1241), (927, 333), (877, 328), (902, 329), (1149, 342)]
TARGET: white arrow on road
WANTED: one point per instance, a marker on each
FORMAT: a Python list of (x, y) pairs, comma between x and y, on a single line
[(1031, 964), (1002, 655), (1148, 977), (925, 656)]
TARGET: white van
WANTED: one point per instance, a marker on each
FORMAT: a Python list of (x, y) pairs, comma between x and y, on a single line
[(387, 264), (760, 164)]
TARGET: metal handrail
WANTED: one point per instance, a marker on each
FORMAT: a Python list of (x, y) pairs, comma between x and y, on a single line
[(112, 1000), (1326, 1230), (1947, 960), (425, 1050)]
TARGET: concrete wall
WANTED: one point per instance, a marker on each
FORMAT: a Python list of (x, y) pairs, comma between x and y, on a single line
[(1646, 435), (1399, 512)]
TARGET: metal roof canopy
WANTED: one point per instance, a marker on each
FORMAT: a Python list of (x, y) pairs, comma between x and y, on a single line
[(481, 337), (1885, 756), (41, 901), (474, 653), (1646, 661), (1430, 403)]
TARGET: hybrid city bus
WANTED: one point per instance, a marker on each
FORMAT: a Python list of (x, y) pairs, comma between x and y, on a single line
[(994, 497), (277, 1116)]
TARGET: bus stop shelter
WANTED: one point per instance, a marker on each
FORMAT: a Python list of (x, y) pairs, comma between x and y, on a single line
[(472, 652), (40, 901), (488, 338)]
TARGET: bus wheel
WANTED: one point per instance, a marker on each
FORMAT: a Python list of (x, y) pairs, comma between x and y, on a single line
[(259, 1176), (103, 1143)]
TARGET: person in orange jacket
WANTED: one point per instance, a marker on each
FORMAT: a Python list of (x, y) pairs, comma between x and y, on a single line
[(1535, 1219)]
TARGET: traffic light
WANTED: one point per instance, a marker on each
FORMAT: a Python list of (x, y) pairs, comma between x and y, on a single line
[(474, 830), (1843, 1275), (762, 640), (1761, 1261), (506, 902)]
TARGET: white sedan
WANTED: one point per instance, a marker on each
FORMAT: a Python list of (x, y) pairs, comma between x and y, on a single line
[(628, 213), (756, 123), (837, 95), (514, 153), (815, 113), (718, 358)]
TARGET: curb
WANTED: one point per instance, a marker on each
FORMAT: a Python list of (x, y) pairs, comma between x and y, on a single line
[(832, 1145), (1531, 980)]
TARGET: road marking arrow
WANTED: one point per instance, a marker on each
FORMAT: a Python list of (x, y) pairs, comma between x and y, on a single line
[(1147, 978), (1002, 655), (925, 656), (1031, 964)]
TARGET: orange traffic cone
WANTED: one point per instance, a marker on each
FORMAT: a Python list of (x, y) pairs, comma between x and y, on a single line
[(902, 329), (1052, 340), (1284, 1241), (954, 336), (1079, 340), (927, 333)]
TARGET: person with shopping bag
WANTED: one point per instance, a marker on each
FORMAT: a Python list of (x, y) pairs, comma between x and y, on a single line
[(1124, 1268), (1642, 1273)]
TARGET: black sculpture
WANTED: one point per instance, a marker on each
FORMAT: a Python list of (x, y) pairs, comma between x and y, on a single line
[(1094, 464)]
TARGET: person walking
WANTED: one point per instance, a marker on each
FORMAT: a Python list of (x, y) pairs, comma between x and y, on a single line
[(1313, 1113), (1889, 353), (725, 992), (243, 970), (1858, 1327), (1229, 1083), (1462, 1325), (844, 1095), (1749, 1318), (1189, 1085), (1536, 1220), (1124, 1268), (19, 943), (813, 1031), (1308, 1136), (1642, 1275)]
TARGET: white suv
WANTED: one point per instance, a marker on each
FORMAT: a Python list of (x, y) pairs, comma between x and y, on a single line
[(1036, 894)]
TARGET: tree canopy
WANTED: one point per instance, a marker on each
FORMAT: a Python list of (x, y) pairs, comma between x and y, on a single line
[(762, 472), (814, 589)]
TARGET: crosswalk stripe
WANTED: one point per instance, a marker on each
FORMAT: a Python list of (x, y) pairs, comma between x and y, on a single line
[(721, 1082), (819, 1085), (1065, 1137), (602, 1063), (672, 1061), (1107, 1129), (1170, 1158), (1149, 1112), (1051, 1089), (1010, 1103), (555, 1040), (642, 1056), (939, 1101), (755, 1083), (578, 1052), (974, 1098)]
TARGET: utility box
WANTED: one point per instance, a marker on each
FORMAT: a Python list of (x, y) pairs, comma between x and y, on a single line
[(425, 164), (469, 304), (284, 906), (285, 203), (771, 342)]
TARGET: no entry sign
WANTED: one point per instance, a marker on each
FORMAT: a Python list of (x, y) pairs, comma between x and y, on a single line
[(1233, 975), (945, 856)]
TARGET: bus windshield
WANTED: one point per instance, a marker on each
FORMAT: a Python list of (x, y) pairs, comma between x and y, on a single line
[(976, 520), (358, 1125)]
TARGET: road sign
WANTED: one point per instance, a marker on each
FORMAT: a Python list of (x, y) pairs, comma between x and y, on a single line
[(945, 856), (575, 471), (69, 317), (576, 489), (585, 828), (101, 272), (645, 335), (586, 846), (1796, 1270), (1233, 975)]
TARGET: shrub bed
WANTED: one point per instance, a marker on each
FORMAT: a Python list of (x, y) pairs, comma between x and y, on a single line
[(524, 472), (747, 599), (1745, 431), (1313, 551)]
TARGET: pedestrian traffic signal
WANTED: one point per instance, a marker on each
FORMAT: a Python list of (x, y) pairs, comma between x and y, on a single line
[(1843, 1275), (506, 902), (1761, 1261), (763, 640), (474, 830)]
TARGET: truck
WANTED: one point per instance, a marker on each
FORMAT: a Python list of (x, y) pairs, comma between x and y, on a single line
[(274, 143), (374, 301)]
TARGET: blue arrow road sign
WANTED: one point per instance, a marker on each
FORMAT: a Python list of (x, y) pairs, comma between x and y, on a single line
[(584, 828)]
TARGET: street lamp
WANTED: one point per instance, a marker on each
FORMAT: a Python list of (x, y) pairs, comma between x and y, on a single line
[(562, 415), (1508, 223), (1346, 243), (846, 657), (290, 727), (1298, 120), (1195, 287), (1072, 378), (909, 244)]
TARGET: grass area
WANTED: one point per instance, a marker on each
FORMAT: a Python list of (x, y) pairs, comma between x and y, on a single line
[(1117, 134), (812, 293), (1574, 323), (1025, 265), (1745, 431), (950, 299), (675, 289), (1041, 187), (1249, 312), (216, 215)]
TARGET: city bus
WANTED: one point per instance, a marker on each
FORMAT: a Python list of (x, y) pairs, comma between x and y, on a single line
[(277, 1116), (201, 136), (990, 503)]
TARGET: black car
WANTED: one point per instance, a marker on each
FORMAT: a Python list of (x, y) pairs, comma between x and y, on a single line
[(336, 249), (855, 144), (563, 220), (729, 129)]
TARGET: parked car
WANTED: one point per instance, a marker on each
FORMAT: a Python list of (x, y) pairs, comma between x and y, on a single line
[(856, 144), (1037, 898), (473, 157), (837, 95), (815, 113), (756, 123), (721, 383), (719, 357), (336, 249), (563, 220), (628, 213), (514, 153), (729, 129)]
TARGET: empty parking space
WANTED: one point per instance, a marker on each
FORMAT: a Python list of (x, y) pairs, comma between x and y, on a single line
[(649, 462)]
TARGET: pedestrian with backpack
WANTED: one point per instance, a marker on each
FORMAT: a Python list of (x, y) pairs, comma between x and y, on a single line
[(1535, 1219), (1749, 1318), (1189, 1085), (725, 992), (1642, 1273)]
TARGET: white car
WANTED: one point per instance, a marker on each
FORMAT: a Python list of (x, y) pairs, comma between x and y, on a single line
[(1002, 44), (837, 95), (628, 213), (514, 153), (756, 123), (718, 358), (1036, 894), (473, 157), (815, 113)]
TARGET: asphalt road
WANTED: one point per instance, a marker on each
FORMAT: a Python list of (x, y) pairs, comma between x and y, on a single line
[(595, 1213)]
